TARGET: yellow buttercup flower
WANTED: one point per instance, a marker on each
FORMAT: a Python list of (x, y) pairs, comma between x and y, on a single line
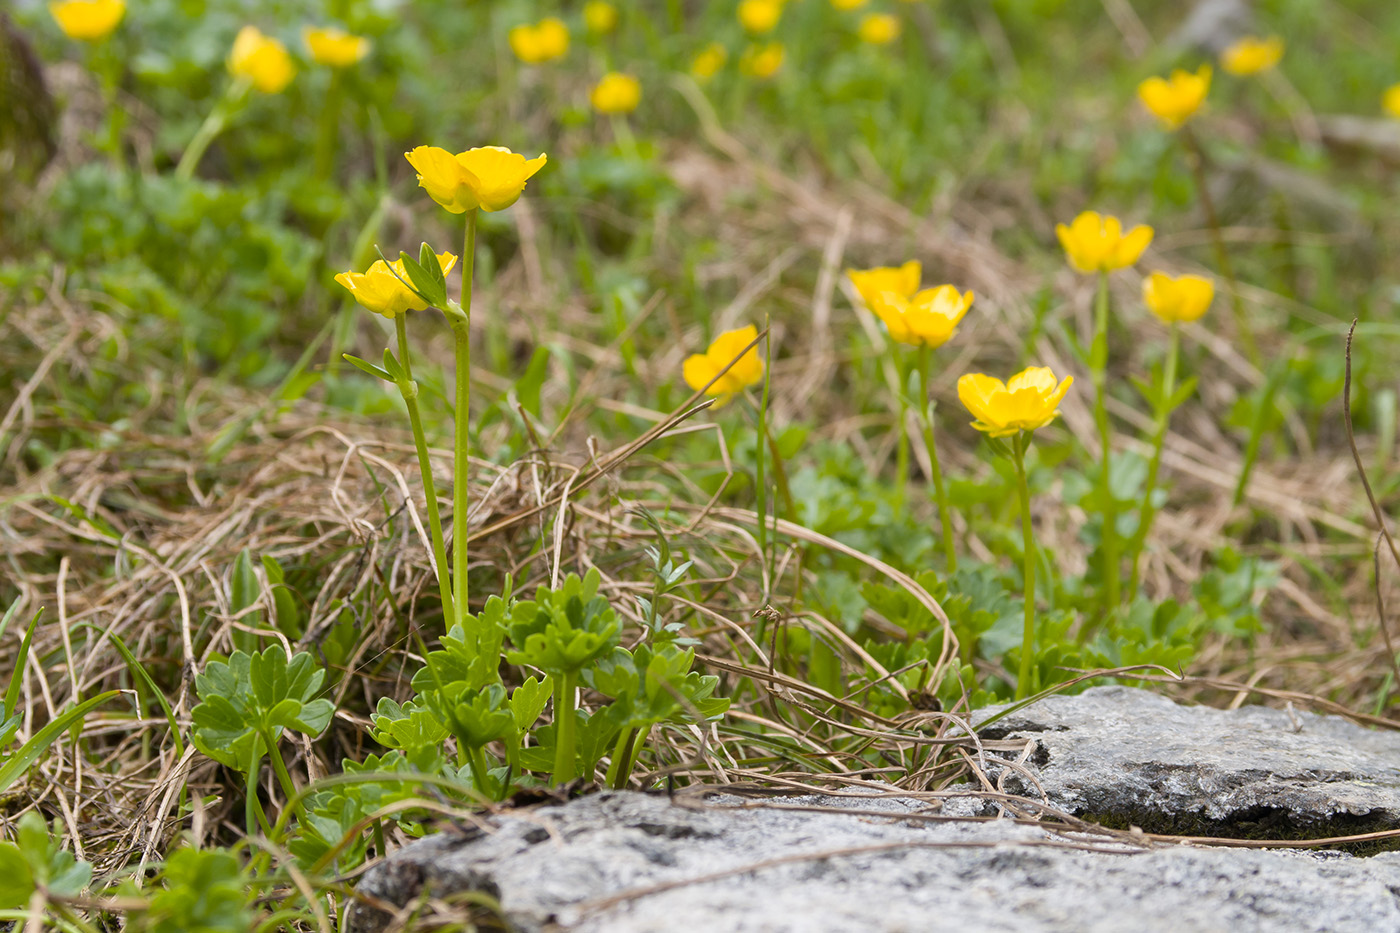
[(707, 63), (879, 28), (381, 288), (759, 16), (545, 41), (262, 60), (600, 17), (88, 20), (1391, 100), (1251, 55), (762, 61), (1096, 243), (1025, 402), (616, 93), (929, 319), (489, 177), (335, 47), (700, 368), (1173, 100), (1181, 299), (849, 4), (871, 283)]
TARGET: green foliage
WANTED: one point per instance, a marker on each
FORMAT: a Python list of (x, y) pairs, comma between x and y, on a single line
[(250, 699), (34, 860), (202, 891)]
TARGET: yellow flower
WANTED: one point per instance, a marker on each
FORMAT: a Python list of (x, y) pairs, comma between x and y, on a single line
[(1025, 402), (762, 61), (616, 93), (600, 17), (545, 41), (1173, 100), (708, 62), (1095, 243), (1251, 55), (262, 60), (1391, 100), (1184, 298), (489, 177), (928, 319), (871, 283), (335, 47), (383, 291), (879, 28), (88, 20), (759, 16), (700, 368), (849, 4)]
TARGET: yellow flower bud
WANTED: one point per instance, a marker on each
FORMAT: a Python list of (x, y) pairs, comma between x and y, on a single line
[(600, 17), (262, 60), (762, 61), (381, 288), (1173, 100), (616, 93), (334, 47), (1181, 299), (489, 177), (1251, 55), (700, 368), (88, 20), (1027, 401), (1095, 243), (545, 41), (879, 28), (708, 62), (759, 16)]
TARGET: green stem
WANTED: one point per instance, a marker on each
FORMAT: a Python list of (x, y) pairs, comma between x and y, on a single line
[(1019, 447), (480, 776), (1195, 157), (279, 767), (901, 451), (461, 332), (616, 777), (212, 126), (626, 142), (1159, 436), (329, 130), (945, 516), (760, 461), (564, 727), (108, 66), (409, 391), (1098, 371)]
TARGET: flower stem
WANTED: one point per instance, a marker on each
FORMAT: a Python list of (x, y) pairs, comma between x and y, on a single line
[(901, 451), (329, 129), (409, 391), (461, 332), (945, 516), (279, 767), (1098, 371), (1159, 436), (212, 126), (1195, 158), (1019, 446), (565, 727)]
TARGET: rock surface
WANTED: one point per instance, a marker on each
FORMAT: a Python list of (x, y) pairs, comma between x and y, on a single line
[(631, 862)]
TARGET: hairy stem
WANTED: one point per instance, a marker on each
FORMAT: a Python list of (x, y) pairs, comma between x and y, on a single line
[(945, 516), (1019, 447), (461, 332), (1147, 511)]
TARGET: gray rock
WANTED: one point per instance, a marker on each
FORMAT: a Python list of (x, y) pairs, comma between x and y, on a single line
[(630, 862), (1120, 756)]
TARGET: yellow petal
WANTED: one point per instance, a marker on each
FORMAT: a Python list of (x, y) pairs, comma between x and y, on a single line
[(445, 179), (499, 174)]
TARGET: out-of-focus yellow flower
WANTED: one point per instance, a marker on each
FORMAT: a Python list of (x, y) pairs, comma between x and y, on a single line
[(545, 41), (1251, 55), (707, 63), (762, 61), (929, 319), (849, 4), (262, 60), (879, 28), (88, 20), (335, 47), (381, 288), (1096, 243), (1028, 400), (1391, 100), (759, 16), (1181, 299), (902, 281), (616, 93), (700, 368), (1173, 100), (489, 177), (600, 17)]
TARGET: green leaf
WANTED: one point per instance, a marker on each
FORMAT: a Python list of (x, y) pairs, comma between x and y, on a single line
[(392, 366), (528, 700), (430, 289), (531, 382), (367, 366), (244, 591), (283, 599), (16, 679), (15, 766)]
